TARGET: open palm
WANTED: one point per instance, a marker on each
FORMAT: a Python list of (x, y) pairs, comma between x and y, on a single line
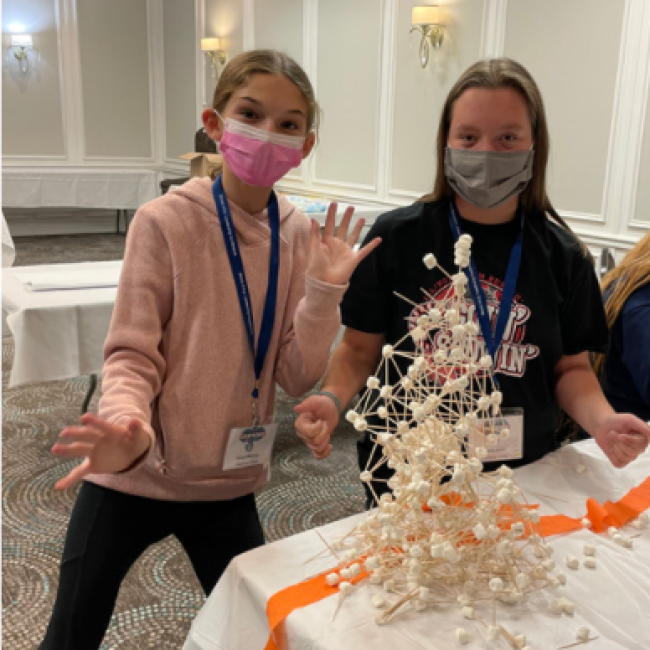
[(332, 256), (104, 447)]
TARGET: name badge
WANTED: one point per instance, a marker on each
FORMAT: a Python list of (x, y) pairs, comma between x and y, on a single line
[(249, 446), (510, 448)]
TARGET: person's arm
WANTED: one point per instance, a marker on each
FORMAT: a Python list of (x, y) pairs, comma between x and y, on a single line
[(355, 359), (622, 436), (120, 437)]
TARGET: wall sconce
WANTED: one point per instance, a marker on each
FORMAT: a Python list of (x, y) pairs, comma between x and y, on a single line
[(211, 47), (426, 20), (20, 43)]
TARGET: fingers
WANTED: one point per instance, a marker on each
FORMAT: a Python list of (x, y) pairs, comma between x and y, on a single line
[(74, 477), (636, 442), (315, 435), (80, 434), (342, 230), (368, 248), (73, 450), (330, 220), (314, 237)]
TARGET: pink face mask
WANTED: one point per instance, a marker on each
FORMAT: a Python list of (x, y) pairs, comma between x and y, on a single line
[(256, 156)]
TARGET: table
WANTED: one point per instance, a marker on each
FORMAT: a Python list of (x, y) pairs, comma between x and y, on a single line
[(613, 600), (58, 334), (117, 189)]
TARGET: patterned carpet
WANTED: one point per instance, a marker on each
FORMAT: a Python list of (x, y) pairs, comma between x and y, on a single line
[(160, 595)]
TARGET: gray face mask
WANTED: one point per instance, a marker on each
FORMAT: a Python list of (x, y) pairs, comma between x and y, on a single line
[(488, 178)]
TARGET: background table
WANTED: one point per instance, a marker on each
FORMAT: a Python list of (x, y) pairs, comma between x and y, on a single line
[(613, 600), (57, 334), (116, 189)]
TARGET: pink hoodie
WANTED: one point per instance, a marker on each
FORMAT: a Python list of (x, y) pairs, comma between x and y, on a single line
[(177, 356)]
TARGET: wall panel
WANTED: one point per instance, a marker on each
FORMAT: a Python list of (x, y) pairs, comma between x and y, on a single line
[(32, 117), (113, 42), (642, 209), (278, 25), (419, 93), (180, 79), (572, 51), (347, 81)]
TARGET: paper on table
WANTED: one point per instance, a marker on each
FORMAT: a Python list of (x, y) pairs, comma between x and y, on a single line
[(69, 279)]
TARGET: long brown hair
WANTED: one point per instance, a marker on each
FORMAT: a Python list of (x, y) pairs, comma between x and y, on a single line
[(241, 68), (493, 74), (631, 274)]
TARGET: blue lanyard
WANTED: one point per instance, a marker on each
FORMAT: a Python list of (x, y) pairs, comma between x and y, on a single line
[(239, 276), (512, 273)]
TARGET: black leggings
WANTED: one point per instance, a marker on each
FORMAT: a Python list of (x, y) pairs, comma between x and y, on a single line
[(107, 533)]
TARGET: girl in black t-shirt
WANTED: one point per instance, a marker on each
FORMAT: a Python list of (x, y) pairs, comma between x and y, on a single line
[(492, 153)]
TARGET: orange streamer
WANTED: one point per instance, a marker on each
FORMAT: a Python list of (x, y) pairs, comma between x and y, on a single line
[(636, 501)]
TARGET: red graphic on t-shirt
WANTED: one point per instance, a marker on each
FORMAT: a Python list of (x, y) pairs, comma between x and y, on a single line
[(513, 353)]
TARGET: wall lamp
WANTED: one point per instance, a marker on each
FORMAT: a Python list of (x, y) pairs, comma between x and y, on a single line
[(426, 20), (211, 47), (20, 43)]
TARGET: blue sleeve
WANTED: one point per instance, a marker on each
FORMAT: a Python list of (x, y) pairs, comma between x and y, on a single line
[(635, 324)]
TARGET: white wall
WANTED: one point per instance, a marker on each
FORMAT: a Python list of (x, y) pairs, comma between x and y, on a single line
[(139, 103)]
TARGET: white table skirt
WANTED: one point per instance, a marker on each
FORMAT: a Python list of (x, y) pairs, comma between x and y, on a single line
[(613, 600), (75, 187), (61, 333)]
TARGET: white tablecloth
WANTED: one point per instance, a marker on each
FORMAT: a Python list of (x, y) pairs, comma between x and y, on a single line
[(613, 600), (58, 334), (77, 187), (8, 248)]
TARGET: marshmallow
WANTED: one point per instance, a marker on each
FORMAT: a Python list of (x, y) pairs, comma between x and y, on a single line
[(366, 476), (345, 574), (561, 578), (468, 612), (378, 601), (430, 261), (582, 634), (572, 561), (462, 635), (332, 579), (372, 382), (590, 563), (345, 587), (586, 523), (496, 584), (351, 416), (580, 468), (385, 391), (382, 412), (387, 351), (588, 549), (493, 632), (360, 424)]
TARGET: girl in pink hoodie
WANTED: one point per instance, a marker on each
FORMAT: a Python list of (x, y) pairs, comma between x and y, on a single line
[(226, 290)]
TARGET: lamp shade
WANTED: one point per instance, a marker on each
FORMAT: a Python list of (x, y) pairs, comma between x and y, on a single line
[(21, 40), (425, 16), (209, 44)]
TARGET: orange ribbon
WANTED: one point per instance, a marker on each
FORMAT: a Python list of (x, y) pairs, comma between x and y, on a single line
[(636, 501)]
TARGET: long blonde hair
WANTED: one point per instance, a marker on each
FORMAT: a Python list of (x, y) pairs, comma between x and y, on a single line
[(240, 69), (493, 74), (631, 274)]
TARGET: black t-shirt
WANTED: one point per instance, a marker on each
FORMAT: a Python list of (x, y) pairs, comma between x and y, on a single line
[(557, 309)]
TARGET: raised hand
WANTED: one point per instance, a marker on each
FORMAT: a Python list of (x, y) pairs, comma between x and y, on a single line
[(623, 437), (317, 419), (332, 257), (106, 448)]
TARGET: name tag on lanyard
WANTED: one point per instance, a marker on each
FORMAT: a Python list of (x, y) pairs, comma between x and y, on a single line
[(249, 446)]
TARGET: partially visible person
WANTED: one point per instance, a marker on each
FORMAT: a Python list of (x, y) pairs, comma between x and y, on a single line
[(625, 370)]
